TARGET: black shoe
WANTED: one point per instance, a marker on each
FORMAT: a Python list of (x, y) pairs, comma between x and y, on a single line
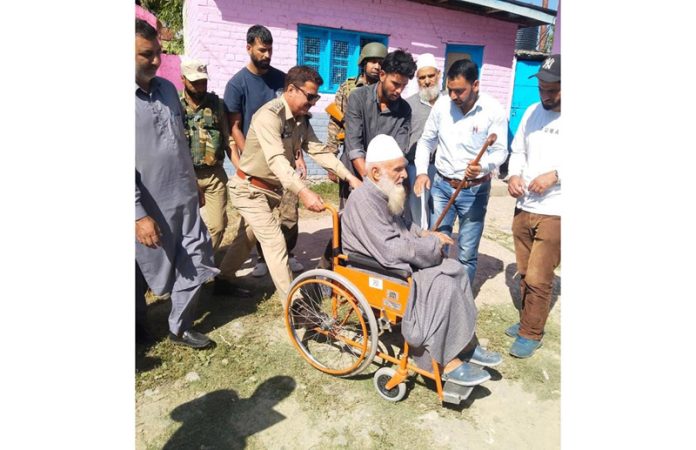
[(142, 335), (226, 288), (191, 339)]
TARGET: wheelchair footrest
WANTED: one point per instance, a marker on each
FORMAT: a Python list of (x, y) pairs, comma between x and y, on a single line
[(455, 393)]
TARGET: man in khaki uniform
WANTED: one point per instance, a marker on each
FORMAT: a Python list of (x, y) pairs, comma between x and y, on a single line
[(208, 135), (279, 130)]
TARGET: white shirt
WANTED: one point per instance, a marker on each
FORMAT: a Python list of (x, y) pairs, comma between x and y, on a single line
[(459, 137), (536, 149)]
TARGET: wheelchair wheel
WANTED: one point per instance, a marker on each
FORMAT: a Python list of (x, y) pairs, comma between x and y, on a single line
[(381, 377), (330, 323)]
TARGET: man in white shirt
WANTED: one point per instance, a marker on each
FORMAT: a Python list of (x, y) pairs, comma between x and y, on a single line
[(533, 179), (457, 127)]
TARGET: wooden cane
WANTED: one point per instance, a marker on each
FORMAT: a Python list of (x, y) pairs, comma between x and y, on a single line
[(465, 183)]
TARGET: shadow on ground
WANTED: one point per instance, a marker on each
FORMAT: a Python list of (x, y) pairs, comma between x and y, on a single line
[(220, 419)]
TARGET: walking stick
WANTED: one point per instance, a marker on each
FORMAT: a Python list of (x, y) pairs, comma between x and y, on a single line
[(465, 183)]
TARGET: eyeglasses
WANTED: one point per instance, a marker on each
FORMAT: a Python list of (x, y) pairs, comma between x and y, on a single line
[(311, 98)]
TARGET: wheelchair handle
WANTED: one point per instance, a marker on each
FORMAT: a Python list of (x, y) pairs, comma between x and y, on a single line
[(334, 216)]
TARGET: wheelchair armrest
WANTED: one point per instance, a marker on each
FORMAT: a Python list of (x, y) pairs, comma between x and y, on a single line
[(367, 263)]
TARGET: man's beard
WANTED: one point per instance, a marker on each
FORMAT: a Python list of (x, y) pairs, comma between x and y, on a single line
[(396, 194), (551, 106), (261, 64), (197, 96), (429, 94)]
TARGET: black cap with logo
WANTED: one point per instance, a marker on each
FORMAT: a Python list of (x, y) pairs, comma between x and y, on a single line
[(550, 71)]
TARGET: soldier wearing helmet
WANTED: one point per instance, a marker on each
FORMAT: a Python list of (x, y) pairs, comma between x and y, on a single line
[(370, 63)]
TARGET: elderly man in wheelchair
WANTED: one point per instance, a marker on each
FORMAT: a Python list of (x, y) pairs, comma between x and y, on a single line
[(391, 266)]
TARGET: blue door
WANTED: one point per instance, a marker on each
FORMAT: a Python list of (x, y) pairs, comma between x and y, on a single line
[(525, 92), (455, 52)]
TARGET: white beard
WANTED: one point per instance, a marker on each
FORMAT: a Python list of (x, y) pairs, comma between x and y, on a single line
[(396, 195), (429, 94)]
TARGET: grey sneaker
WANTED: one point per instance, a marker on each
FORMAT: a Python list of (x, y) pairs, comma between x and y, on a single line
[(486, 358), (514, 330), (467, 375)]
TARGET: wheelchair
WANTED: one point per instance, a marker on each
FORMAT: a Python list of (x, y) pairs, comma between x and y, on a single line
[(334, 319)]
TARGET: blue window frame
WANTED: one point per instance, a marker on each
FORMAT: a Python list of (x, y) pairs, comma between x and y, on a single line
[(332, 52)]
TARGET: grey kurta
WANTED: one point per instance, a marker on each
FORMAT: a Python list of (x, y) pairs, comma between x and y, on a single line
[(441, 314), (165, 189)]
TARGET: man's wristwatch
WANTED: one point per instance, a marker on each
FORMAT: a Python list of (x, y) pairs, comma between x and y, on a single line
[(558, 179)]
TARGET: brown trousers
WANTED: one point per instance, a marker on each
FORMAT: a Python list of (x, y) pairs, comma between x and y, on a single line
[(538, 252)]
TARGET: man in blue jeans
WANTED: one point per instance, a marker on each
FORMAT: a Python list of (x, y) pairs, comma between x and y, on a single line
[(457, 127)]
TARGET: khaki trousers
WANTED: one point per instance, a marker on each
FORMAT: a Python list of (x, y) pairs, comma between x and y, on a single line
[(213, 182), (538, 252), (257, 222)]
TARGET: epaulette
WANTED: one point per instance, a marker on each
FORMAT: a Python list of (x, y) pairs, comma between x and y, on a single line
[(276, 106)]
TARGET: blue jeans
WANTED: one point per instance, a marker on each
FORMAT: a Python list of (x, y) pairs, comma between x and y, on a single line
[(470, 207)]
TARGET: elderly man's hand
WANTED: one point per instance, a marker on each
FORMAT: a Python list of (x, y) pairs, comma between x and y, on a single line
[(422, 183), (444, 239), (311, 200), (147, 232), (333, 177)]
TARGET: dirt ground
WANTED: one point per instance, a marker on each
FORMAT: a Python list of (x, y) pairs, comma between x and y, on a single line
[(253, 390)]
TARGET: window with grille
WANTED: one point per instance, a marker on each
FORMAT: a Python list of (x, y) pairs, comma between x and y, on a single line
[(333, 53)]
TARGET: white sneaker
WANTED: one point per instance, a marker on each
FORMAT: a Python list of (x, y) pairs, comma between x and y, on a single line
[(295, 265), (260, 270)]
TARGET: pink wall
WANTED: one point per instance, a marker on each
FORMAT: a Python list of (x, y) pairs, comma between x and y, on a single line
[(215, 32), (170, 68), (556, 48)]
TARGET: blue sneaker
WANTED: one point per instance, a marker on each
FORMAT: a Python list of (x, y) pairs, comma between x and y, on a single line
[(483, 357), (514, 330), (523, 347), (467, 375)]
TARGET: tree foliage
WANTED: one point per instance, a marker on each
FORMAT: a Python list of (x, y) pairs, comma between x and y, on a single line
[(171, 14)]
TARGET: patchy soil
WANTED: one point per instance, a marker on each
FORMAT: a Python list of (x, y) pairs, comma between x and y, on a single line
[(254, 391)]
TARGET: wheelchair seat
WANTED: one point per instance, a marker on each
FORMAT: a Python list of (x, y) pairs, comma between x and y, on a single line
[(367, 263)]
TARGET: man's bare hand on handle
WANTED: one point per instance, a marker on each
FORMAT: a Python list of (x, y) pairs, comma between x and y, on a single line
[(311, 200)]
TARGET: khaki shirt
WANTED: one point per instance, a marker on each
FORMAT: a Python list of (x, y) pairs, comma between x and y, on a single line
[(274, 139)]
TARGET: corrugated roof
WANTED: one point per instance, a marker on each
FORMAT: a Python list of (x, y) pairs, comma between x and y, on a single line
[(507, 10)]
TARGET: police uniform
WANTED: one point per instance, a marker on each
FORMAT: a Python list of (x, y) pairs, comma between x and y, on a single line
[(266, 169), (207, 133)]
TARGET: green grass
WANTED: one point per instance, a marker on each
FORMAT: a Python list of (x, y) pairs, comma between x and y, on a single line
[(327, 190)]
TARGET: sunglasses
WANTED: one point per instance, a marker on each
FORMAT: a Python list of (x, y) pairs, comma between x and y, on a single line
[(311, 98)]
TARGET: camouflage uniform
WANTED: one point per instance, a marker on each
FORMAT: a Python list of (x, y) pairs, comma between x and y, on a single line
[(341, 101), (207, 133)]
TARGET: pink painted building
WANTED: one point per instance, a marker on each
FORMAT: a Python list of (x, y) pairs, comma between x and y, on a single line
[(329, 33)]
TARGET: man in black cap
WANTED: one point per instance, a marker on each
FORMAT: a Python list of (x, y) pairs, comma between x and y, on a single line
[(534, 180)]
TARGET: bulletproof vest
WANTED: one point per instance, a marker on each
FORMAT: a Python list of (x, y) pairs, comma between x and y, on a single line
[(203, 131)]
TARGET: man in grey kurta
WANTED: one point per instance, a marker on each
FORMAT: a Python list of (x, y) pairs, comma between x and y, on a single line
[(173, 250), (440, 318)]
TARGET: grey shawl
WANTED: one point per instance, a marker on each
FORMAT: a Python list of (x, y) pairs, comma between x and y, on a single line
[(441, 315)]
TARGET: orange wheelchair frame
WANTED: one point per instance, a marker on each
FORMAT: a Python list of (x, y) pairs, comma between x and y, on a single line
[(334, 319)]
